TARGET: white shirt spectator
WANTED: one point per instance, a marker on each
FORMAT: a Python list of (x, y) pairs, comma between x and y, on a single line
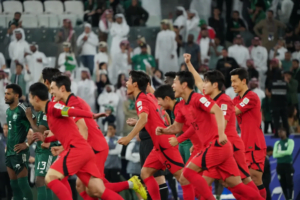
[(89, 46), (240, 53), (181, 22), (204, 48), (259, 93), (87, 88), (230, 92), (296, 55), (192, 24), (118, 33), (17, 48), (2, 61), (133, 156), (106, 21), (280, 53), (259, 54), (285, 11), (203, 7), (108, 98), (62, 60), (165, 51)]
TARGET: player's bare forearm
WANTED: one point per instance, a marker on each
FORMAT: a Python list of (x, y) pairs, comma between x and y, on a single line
[(173, 129), (140, 124), (219, 118), (198, 79), (237, 111)]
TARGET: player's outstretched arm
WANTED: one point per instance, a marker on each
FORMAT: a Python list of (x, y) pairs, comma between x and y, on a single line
[(216, 110), (197, 77), (64, 111), (140, 124), (175, 128)]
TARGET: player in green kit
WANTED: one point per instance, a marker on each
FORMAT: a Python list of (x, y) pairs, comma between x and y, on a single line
[(43, 155), (17, 153)]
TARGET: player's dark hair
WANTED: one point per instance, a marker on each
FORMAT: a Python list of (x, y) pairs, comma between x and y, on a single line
[(215, 76), (62, 81), (40, 90), (16, 89), (237, 12), (113, 125), (171, 74), (164, 91), (269, 148), (186, 76), (242, 73), (141, 78), (48, 73)]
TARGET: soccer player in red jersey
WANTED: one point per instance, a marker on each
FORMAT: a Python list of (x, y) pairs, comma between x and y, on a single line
[(217, 152), (163, 154), (74, 146), (61, 91), (248, 111)]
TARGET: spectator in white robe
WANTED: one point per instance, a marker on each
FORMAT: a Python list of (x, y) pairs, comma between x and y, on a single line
[(106, 21), (296, 53), (259, 54), (165, 48), (108, 98), (17, 49), (181, 21), (67, 60), (192, 23), (74, 85), (204, 44), (120, 65), (239, 52), (87, 44), (36, 61), (121, 91), (102, 56), (203, 7), (137, 50), (87, 88), (118, 31), (3, 106), (254, 86), (279, 50), (285, 11), (2, 61)]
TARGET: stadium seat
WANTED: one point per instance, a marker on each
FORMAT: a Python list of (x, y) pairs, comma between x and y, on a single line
[(55, 7), (0, 8), (29, 21), (35, 7), (51, 62), (48, 21), (74, 7), (153, 20), (3, 23), (12, 6)]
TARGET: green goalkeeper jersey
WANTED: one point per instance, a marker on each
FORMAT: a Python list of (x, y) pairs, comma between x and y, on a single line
[(18, 127)]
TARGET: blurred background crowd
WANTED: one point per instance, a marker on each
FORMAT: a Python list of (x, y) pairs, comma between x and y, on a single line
[(97, 42)]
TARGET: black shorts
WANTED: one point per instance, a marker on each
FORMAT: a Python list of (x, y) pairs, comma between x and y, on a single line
[(146, 147)]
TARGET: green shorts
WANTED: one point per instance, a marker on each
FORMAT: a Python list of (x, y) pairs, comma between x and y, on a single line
[(43, 161), (17, 162), (184, 149)]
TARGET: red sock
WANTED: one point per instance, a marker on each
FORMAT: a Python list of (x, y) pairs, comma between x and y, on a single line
[(85, 196), (152, 188), (67, 185), (59, 189), (199, 183), (245, 192), (117, 187), (262, 191), (109, 194), (252, 185), (236, 195), (188, 192)]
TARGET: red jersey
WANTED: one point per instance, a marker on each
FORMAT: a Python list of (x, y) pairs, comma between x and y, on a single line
[(146, 103), (63, 128), (95, 136), (196, 112), (186, 134), (250, 121)]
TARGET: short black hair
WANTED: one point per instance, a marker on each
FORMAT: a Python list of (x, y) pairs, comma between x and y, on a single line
[(20, 65), (186, 76), (242, 73), (113, 125), (224, 49), (215, 76), (16, 89), (235, 11), (141, 78), (296, 60), (17, 13), (62, 81), (271, 11), (269, 148), (171, 74), (48, 73), (40, 90), (164, 91)]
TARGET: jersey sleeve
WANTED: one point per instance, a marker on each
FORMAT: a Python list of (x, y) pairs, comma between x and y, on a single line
[(203, 103), (247, 103), (59, 110), (227, 108), (179, 117), (141, 106), (73, 103), (186, 135)]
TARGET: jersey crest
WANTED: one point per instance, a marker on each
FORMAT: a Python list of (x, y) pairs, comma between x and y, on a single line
[(246, 100), (59, 106), (15, 116), (223, 106)]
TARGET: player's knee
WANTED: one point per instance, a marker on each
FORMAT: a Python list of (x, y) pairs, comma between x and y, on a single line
[(50, 178), (95, 191), (79, 186), (144, 173), (40, 181)]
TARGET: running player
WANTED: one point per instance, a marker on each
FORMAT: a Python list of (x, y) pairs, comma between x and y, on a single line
[(163, 155), (74, 145), (217, 152), (247, 109), (61, 91), (17, 153), (43, 155), (212, 88)]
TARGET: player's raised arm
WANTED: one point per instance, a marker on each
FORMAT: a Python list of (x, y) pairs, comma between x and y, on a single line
[(175, 128), (197, 77), (140, 124)]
